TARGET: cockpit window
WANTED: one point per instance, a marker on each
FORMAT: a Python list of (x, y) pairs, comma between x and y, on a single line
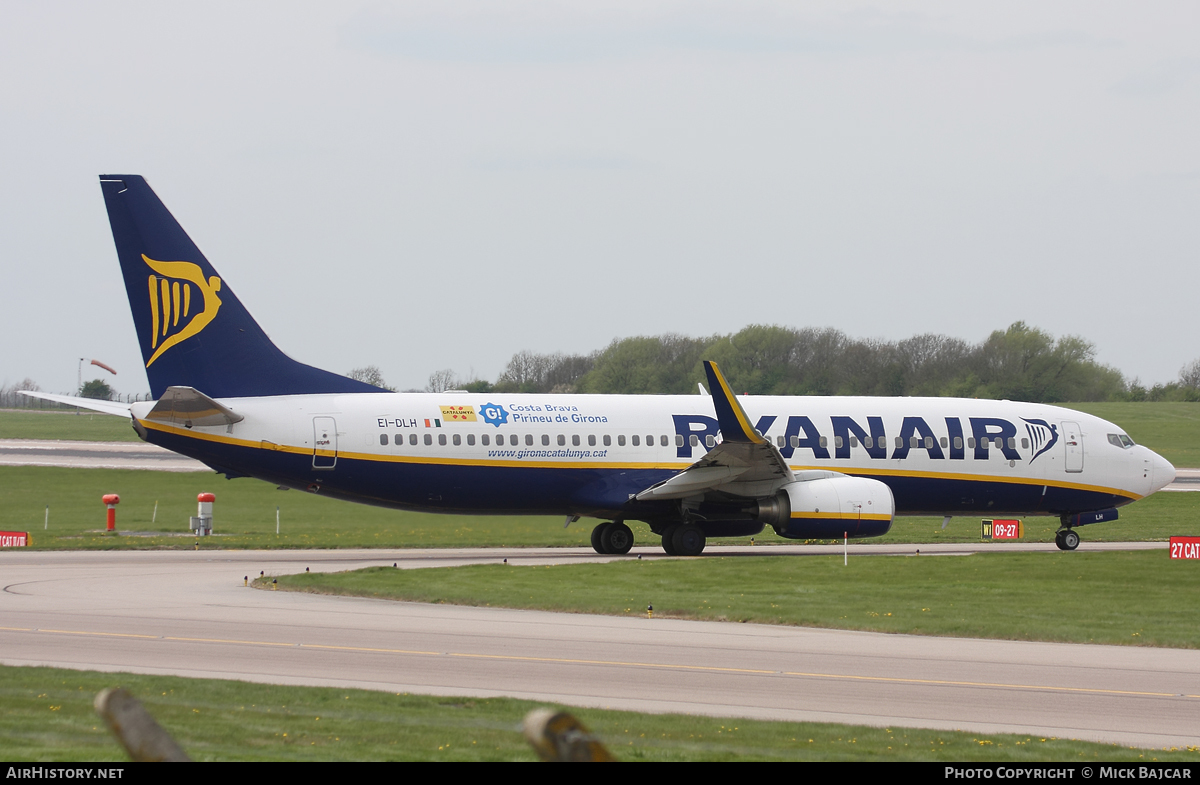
[(1120, 440)]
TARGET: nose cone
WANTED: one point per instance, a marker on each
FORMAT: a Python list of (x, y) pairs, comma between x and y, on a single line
[(1162, 474)]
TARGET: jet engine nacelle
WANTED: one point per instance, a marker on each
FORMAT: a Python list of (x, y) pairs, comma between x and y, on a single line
[(829, 507)]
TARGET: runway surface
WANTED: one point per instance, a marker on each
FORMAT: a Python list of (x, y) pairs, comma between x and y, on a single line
[(187, 613), (94, 455)]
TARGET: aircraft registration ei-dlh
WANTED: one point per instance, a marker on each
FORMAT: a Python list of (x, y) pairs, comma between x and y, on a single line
[(690, 466)]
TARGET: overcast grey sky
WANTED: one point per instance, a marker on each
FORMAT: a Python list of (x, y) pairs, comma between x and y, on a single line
[(439, 185)]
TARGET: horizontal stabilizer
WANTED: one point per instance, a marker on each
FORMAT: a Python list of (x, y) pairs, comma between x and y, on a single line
[(189, 407), (92, 404)]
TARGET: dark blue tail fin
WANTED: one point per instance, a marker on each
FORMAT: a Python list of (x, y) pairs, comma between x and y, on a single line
[(193, 330)]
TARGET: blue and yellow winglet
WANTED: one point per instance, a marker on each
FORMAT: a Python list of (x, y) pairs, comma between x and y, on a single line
[(731, 417)]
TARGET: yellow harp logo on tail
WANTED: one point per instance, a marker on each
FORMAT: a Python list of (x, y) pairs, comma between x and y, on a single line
[(176, 311)]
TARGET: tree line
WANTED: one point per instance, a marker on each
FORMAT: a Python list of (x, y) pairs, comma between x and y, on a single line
[(1019, 363)]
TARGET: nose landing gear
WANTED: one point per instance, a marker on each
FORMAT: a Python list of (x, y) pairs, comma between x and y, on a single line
[(1066, 539)]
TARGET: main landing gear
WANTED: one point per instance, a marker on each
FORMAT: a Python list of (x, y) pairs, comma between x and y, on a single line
[(683, 539), (1066, 539), (612, 538)]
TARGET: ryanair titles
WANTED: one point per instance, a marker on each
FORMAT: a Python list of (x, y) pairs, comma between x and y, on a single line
[(979, 435)]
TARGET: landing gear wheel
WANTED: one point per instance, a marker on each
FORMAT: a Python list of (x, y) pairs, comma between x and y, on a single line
[(1070, 540), (688, 539), (668, 536), (598, 537), (617, 538), (1058, 540)]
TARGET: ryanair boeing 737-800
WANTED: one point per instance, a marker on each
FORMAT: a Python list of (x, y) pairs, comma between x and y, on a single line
[(691, 467)]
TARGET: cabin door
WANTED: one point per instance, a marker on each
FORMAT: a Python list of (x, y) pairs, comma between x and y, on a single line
[(1073, 444), (324, 443)]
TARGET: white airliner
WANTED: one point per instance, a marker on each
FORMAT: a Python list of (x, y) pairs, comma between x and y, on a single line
[(691, 467)]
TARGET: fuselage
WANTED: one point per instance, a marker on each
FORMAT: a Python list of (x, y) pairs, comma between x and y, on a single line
[(590, 454)]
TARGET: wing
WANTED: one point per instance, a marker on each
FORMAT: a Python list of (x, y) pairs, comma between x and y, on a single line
[(744, 463)]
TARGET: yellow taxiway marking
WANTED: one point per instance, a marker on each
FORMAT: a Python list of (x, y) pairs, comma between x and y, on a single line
[(622, 663)]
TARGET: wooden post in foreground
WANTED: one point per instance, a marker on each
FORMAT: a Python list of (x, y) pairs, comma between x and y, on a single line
[(142, 737), (558, 737)]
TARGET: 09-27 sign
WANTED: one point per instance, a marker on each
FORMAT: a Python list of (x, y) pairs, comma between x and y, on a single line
[(1185, 547), (1003, 529)]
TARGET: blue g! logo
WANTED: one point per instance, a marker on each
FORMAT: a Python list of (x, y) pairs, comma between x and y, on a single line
[(493, 413)]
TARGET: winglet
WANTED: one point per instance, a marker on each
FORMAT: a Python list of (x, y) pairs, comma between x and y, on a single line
[(735, 425)]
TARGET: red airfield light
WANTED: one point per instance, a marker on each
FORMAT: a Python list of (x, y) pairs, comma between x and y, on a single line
[(111, 500)]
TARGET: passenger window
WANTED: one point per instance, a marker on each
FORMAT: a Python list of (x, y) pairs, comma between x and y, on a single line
[(562, 440), (485, 440), (607, 440), (928, 442), (958, 443), (428, 439), (694, 440), (971, 442), (471, 439), (664, 441), (649, 441), (710, 441), (853, 441), (457, 440), (529, 440), (899, 442), (383, 439), (1024, 444), (591, 440), (913, 442), (442, 439), (545, 440), (399, 439), (837, 442), (412, 438), (795, 442), (621, 440), (575, 439), (1012, 443), (679, 440), (780, 441), (823, 442), (636, 440), (945, 442)]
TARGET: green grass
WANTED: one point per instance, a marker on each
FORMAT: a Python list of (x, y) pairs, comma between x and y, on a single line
[(1172, 429), (1131, 598), (50, 424), (47, 716), (245, 517)]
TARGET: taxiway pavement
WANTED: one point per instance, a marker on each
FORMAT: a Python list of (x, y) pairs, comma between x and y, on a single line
[(188, 613)]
